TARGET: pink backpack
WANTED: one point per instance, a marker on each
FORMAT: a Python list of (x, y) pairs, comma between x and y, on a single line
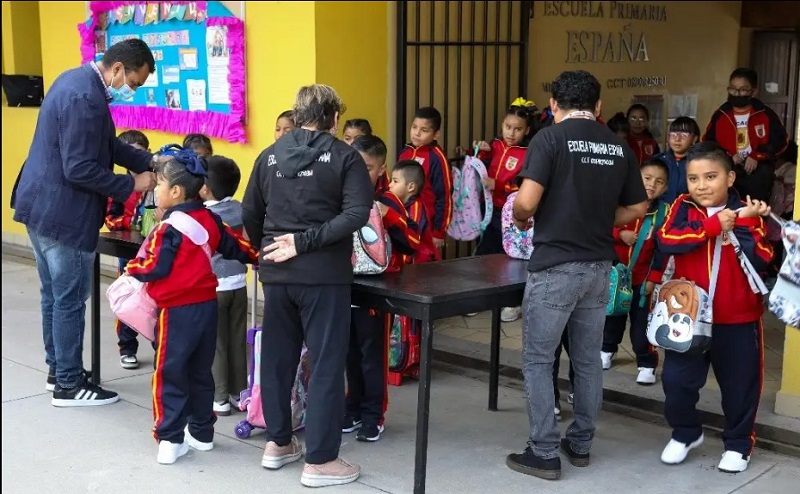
[(372, 250), (468, 185), (128, 296), (516, 243)]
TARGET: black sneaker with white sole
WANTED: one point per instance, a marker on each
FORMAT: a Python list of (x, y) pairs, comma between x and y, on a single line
[(530, 464), (577, 459), (51, 380), (85, 394), (350, 423), (369, 433)]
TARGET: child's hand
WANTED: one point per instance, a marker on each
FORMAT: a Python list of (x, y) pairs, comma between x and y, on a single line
[(522, 225), (754, 208), (484, 146), (382, 208), (489, 183), (649, 287), (737, 159), (628, 237), (750, 165), (727, 218)]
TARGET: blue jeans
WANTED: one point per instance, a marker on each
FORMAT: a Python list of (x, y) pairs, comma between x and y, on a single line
[(66, 275), (573, 295)]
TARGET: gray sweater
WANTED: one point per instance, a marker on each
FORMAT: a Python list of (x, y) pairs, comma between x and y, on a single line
[(231, 213)]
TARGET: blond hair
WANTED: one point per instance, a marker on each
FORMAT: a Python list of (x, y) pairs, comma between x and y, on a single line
[(316, 106)]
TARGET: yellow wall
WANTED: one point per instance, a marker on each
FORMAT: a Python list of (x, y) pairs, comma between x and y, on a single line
[(351, 57), (696, 49), (21, 24)]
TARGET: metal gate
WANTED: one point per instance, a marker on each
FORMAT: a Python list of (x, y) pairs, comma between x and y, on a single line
[(469, 60)]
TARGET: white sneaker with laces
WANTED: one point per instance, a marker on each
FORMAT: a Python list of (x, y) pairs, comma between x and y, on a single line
[(675, 451), (169, 452), (646, 377), (222, 409), (510, 314), (733, 462), (606, 357), (194, 443)]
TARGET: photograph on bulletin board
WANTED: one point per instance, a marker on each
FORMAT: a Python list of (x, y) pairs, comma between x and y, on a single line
[(199, 80)]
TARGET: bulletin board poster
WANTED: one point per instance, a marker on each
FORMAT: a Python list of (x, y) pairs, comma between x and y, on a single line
[(199, 82)]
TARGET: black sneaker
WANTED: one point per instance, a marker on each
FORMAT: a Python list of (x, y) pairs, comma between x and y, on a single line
[(51, 380), (350, 423), (369, 433), (85, 394), (577, 459), (530, 464)]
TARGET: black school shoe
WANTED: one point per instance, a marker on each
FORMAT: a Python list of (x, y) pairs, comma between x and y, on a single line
[(530, 464), (577, 459), (51, 380), (369, 433)]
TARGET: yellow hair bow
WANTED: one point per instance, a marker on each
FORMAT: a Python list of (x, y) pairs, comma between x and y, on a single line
[(522, 102)]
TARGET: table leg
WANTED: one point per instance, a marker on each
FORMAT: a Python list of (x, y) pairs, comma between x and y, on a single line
[(96, 320), (423, 403), (494, 360)]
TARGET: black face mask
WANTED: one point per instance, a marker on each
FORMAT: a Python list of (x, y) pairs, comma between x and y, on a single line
[(739, 101)]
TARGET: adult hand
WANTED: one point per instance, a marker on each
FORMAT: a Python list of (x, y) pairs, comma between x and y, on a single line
[(750, 165), (523, 225), (628, 237), (754, 208), (727, 218), (438, 243), (282, 249), (143, 182), (649, 287), (489, 183)]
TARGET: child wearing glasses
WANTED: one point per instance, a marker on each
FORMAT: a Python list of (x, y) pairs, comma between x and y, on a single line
[(683, 133), (640, 140)]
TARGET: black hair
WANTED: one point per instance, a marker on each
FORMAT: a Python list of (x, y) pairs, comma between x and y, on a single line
[(134, 136), (194, 141), (526, 113), (223, 176), (745, 73), (132, 53), (288, 114), (175, 173), (641, 107), (576, 90), (432, 114), (619, 123), (412, 171), (542, 120), (685, 124), (658, 163), (709, 150), (361, 124), (370, 145)]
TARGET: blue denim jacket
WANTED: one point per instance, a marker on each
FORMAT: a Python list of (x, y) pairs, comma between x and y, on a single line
[(66, 180)]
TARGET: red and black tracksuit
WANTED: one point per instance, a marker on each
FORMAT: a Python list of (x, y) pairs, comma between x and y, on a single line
[(643, 146), (122, 216), (736, 353), (649, 267), (426, 251), (505, 163), (767, 137), (180, 280), (437, 193), (368, 355)]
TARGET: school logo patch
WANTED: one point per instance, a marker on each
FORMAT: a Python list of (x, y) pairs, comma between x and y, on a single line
[(761, 132), (511, 163), (420, 160), (648, 149)]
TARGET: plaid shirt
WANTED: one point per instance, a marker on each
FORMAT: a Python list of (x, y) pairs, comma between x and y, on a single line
[(97, 71)]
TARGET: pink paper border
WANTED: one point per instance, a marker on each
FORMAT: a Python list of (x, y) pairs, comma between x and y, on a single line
[(215, 124)]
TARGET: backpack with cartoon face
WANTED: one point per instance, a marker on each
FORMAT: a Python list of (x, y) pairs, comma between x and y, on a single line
[(784, 301), (372, 250), (517, 243), (681, 317), (467, 223)]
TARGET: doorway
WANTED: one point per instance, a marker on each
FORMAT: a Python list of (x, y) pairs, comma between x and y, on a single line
[(774, 56)]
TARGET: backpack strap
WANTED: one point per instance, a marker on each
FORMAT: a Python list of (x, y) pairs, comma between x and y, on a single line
[(661, 216), (637, 249), (715, 261), (191, 228), (753, 278), (480, 169)]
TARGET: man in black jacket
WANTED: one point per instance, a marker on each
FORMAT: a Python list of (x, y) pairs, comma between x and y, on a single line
[(307, 195)]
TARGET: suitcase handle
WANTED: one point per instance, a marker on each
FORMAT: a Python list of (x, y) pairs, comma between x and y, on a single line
[(254, 302)]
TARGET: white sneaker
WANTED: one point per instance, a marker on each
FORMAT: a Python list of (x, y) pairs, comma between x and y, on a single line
[(675, 451), (510, 314), (471, 314), (606, 357), (646, 377), (222, 408), (557, 411), (234, 401), (169, 452), (733, 462), (194, 443)]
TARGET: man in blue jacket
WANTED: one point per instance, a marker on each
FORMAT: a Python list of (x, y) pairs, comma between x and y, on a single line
[(61, 194)]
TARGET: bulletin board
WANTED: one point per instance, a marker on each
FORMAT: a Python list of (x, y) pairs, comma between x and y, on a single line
[(199, 82)]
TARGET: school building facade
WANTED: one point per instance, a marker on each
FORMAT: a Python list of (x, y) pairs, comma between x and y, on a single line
[(468, 58)]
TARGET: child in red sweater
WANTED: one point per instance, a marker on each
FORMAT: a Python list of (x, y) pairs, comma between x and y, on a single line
[(640, 139)]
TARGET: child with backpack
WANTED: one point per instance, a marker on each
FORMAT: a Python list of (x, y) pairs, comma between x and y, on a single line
[(175, 265), (700, 232), (367, 358), (683, 134), (636, 247), (407, 182), (230, 360), (124, 216)]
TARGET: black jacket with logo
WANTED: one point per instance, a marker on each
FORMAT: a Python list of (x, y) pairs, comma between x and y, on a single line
[(316, 187)]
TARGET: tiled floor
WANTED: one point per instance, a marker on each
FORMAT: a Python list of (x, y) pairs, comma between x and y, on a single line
[(477, 329)]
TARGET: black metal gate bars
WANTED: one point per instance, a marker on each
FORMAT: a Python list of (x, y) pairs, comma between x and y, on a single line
[(466, 58)]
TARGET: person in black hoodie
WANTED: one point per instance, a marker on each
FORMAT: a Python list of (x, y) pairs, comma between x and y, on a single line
[(307, 194)]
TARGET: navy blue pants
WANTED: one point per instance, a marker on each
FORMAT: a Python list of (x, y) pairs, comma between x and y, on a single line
[(646, 355), (367, 366), (183, 387), (126, 337), (736, 355)]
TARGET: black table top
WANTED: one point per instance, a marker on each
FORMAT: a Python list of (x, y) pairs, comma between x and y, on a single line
[(444, 281), (119, 243)]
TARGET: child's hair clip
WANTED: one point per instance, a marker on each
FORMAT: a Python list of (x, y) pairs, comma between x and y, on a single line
[(170, 149)]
